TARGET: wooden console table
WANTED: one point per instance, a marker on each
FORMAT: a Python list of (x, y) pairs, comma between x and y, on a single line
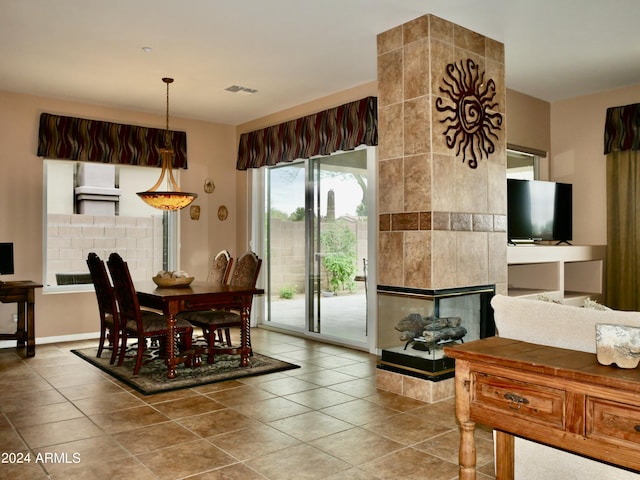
[(22, 293), (563, 398)]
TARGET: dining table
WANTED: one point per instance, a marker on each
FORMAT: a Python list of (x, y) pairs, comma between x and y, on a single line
[(198, 295)]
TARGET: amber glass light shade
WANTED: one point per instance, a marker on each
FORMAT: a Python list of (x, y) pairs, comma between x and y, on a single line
[(167, 200)]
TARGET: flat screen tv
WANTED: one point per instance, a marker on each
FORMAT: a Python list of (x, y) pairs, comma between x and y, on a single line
[(539, 210), (6, 259)]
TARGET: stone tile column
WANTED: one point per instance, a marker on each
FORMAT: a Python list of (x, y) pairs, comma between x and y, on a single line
[(441, 110)]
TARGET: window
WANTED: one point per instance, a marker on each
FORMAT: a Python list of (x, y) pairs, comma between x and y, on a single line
[(521, 165), (92, 207)]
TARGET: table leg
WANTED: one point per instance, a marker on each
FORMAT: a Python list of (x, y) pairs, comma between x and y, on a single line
[(467, 454), (171, 342), (245, 332), (30, 326), (505, 469), (21, 332)]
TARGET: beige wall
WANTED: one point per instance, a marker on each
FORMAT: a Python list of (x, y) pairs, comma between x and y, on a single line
[(572, 131), (577, 145), (211, 151), (528, 122)]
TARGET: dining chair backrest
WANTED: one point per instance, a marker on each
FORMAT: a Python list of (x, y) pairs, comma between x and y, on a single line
[(220, 268), (246, 271), (124, 289), (102, 285)]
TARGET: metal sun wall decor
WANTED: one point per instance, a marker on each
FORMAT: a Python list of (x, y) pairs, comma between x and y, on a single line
[(472, 120)]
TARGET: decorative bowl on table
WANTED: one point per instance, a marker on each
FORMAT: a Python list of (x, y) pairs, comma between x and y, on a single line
[(172, 279)]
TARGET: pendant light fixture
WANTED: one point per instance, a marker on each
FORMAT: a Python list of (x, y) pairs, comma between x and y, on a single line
[(173, 198)]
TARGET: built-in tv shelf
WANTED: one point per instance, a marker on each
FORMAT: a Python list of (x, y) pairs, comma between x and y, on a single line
[(565, 273)]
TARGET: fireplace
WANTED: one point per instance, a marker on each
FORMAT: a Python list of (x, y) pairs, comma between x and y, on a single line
[(420, 323)]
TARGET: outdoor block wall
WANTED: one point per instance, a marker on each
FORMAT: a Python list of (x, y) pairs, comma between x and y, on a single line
[(70, 238), (288, 252)]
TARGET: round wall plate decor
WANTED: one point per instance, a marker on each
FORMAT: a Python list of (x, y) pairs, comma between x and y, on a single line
[(209, 186), (223, 213), (194, 212)]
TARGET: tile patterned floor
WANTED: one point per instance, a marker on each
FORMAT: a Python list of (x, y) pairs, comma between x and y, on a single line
[(325, 420)]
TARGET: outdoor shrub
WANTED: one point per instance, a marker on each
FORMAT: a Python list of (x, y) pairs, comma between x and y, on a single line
[(288, 292)]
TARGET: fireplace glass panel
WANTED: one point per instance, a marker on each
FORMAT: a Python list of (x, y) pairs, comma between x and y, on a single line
[(416, 325)]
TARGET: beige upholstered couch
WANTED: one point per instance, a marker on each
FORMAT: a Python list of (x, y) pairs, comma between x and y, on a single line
[(562, 326)]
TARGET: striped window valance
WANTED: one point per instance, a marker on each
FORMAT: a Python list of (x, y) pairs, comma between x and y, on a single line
[(71, 138), (622, 129), (341, 128)]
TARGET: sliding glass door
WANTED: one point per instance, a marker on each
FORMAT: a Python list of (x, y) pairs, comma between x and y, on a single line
[(317, 246), (285, 236)]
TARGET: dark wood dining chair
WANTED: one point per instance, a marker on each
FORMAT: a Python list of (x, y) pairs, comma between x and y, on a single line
[(107, 307), (140, 324), (213, 322), (219, 272), (220, 268)]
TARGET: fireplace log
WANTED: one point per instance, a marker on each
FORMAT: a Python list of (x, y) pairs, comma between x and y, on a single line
[(443, 335), (412, 323), (436, 324), (407, 336)]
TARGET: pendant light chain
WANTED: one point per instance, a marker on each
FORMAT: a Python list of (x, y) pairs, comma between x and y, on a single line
[(167, 140)]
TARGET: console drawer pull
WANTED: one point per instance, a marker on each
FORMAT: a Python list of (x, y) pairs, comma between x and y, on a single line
[(637, 428), (516, 401)]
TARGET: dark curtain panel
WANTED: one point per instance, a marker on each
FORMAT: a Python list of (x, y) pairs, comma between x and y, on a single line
[(623, 229), (71, 138), (622, 145), (340, 128)]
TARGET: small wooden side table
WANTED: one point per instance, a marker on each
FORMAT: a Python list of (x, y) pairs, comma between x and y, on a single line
[(559, 397), (22, 293)]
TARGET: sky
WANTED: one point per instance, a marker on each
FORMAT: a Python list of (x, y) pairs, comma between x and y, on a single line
[(287, 191)]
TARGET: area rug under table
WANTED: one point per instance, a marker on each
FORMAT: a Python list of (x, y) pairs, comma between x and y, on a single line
[(152, 377)]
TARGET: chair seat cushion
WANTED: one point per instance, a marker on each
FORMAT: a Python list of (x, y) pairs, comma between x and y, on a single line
[(188, 316), (213, 318), (155, 322), (108, 320)]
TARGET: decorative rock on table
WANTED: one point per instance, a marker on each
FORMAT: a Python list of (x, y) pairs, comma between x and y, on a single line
[(618, 344)]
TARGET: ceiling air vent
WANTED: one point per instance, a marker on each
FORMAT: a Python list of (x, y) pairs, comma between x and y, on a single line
[(240, 90)]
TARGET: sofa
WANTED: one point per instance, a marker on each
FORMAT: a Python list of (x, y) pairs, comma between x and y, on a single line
[(564, 326)]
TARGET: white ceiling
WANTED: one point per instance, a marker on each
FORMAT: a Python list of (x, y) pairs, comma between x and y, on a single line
[(291, 51)]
